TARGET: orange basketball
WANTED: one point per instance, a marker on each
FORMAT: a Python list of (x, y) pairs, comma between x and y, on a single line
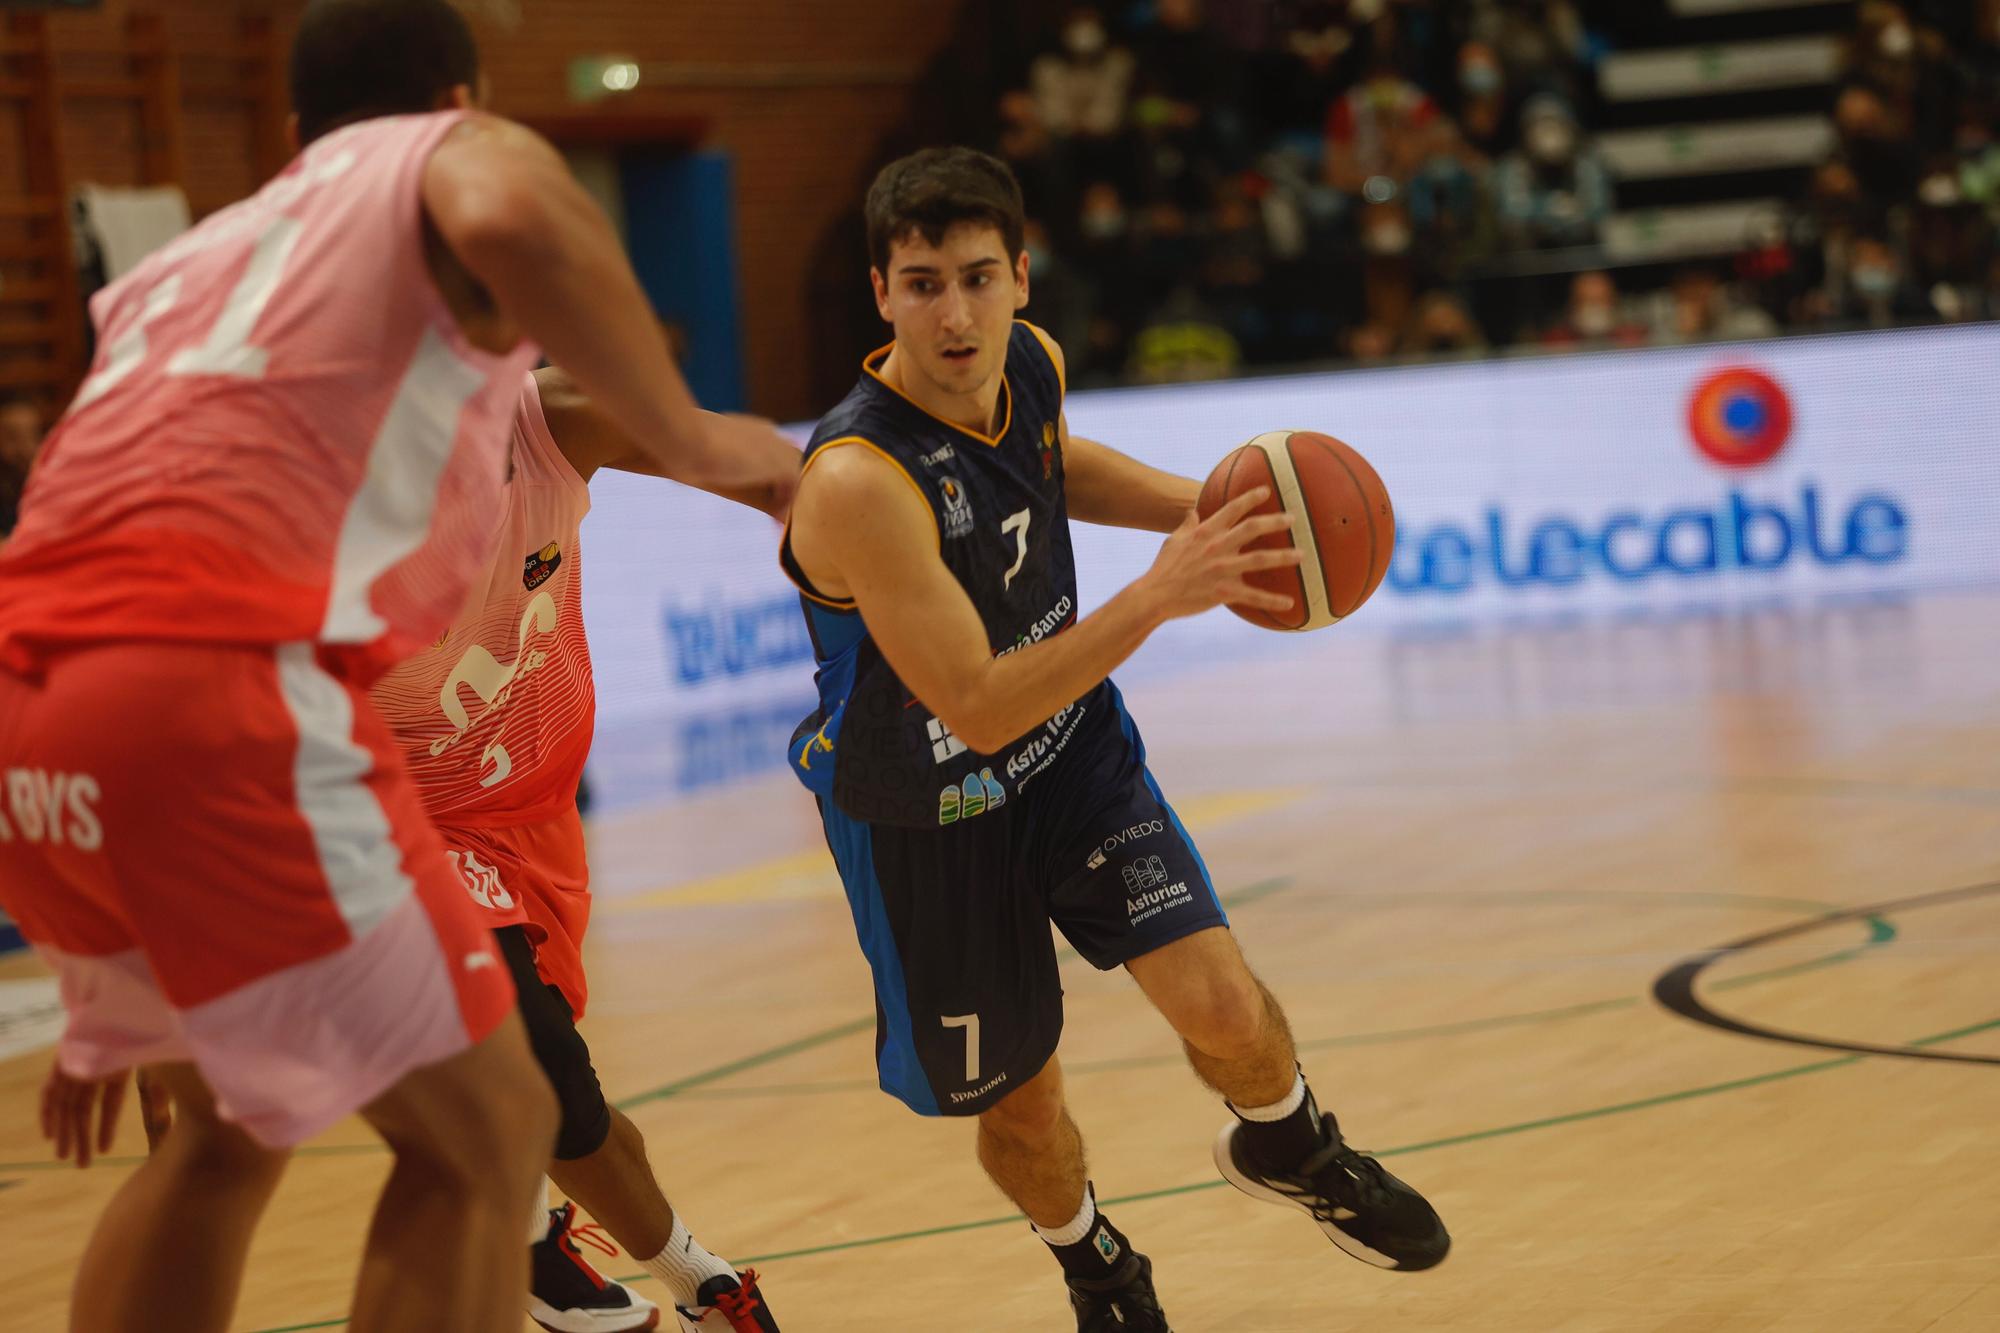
[(1341, 520)]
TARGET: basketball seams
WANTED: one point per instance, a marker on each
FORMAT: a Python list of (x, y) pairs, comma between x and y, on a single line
[(1368, 508), (1291, 498), (1312, 522)]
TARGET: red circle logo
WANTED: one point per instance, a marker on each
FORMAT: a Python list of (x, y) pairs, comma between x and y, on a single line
[(1740, 417)]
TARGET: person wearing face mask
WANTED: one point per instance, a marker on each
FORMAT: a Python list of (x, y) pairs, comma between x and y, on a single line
[(1082, 89), (1878, 293), (1482, 99), (1554, 190)]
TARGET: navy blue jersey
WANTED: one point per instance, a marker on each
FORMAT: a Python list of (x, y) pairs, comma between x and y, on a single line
[(871, 746)]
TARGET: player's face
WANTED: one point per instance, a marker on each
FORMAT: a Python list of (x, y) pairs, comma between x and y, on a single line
[(953, 304)]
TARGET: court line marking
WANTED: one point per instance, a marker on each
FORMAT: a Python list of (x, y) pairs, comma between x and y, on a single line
[(1675, 988), (1880, 932), (1428, 1145)]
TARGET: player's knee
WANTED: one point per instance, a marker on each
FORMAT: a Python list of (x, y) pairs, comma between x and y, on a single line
[(1030, 1114), (216, 1151), (1225, 1016)]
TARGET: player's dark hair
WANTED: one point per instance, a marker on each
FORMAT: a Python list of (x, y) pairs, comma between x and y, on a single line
[(358, 59), (932, 191)]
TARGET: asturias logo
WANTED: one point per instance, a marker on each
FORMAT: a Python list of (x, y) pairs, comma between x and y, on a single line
[(1740, 418)]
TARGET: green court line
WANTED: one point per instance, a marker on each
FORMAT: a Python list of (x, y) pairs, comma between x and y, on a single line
[(1429, 1145), (1880, 932), (695, 1086)]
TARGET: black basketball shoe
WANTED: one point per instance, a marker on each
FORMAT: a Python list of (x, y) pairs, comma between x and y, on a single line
[(1359, 1205), (1122, 1303), (738, 1299), (567, 1295)]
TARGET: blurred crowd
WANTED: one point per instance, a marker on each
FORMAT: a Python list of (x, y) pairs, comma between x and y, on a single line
[(1220, 183)]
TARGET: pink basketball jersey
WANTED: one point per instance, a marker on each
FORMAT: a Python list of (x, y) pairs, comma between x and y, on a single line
[(285, 436), (495, 719)]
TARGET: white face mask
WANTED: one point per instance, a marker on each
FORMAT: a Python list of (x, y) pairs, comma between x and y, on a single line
[(1897, 41), (1551, 141), (1874, 282), (1593, 321), (1084, 39), (1390, 238)]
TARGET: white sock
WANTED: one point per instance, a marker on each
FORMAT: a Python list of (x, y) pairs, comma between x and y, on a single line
[(1277, 1110), (684, 1265), (1078, 1228), (538, 1224)]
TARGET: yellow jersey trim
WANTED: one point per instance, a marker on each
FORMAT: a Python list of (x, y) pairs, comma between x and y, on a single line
[(869, 362), (1055, 358), (797, 581)]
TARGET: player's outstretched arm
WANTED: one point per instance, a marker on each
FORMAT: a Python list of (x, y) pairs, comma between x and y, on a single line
[(1114, 489), (859, 527), (590, 440), (509, 210), (1118, 491)]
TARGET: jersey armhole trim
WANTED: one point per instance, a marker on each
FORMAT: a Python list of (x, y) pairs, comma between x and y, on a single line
[(797, 575), (1055, 360)]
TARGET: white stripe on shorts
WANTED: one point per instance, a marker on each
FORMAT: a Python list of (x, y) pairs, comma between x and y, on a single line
[(357, 848)]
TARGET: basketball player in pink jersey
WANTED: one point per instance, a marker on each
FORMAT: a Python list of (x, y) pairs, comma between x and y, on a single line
[(495, 721), (276, 482)]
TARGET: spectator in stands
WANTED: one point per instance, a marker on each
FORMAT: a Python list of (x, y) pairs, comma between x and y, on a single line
[(1448, 203), (1700, 307), (1596, 316), (1236, 271), (1187, 107), (1081, 91), (1950, 242), (1879, 141), (1061, 296), (1028, 147), (1554, 190), (1385, 126), (22, 423), (1443, 327), (1183, 341), (1313, 57), (1878, 289), (1481, 110), (1541, 43), (1908, 65)]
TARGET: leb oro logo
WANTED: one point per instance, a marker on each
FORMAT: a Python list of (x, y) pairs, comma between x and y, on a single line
[(1740, 417)]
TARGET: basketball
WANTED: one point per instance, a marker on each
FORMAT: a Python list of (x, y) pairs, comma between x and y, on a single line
[(1341, 522)]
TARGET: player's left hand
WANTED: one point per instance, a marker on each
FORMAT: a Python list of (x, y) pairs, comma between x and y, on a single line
[(68, 1106)]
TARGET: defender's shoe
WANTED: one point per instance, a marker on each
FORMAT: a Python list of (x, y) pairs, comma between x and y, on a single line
[(567, 1295), (741, 1303), (1359, 1205), (1122, 1303)]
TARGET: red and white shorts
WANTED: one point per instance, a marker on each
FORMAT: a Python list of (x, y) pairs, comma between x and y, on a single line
[(535, 875), (219, 851)]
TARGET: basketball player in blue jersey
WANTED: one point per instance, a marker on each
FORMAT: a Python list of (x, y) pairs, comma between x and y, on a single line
[(976, 770)]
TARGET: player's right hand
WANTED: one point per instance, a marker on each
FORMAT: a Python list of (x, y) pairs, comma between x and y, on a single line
[(1203, 564), (70, 1104), (762, 463)]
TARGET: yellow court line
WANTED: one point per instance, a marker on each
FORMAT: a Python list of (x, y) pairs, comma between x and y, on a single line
[(811, 874)]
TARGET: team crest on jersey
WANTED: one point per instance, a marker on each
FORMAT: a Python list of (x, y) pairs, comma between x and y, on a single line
[(541, 566), (957, 507), (1048, 450)]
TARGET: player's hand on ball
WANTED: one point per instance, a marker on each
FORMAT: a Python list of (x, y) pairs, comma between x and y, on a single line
[(1202, 564), (764, 463)]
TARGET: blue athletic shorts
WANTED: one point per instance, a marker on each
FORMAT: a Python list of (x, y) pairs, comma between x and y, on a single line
[(955, 920)]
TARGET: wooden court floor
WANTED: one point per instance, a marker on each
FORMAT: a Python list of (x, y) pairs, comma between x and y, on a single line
[(1462, 857)]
